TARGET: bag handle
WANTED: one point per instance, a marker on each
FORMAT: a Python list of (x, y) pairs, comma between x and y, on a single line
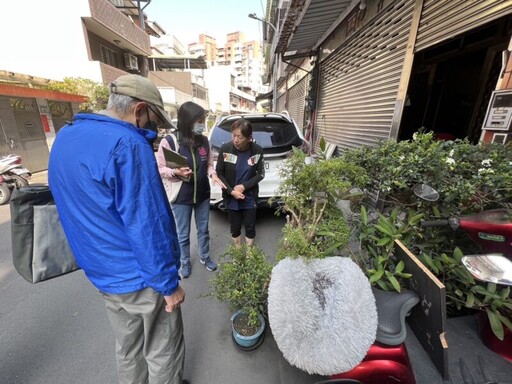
[(171, 139)]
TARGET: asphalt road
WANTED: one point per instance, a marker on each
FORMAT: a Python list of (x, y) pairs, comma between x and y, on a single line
[(57, 332)]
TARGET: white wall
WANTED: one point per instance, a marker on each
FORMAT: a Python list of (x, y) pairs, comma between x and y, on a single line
[(45, 39), (218, 81)]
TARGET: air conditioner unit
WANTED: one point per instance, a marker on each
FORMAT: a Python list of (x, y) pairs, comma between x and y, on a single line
[(131, 62)]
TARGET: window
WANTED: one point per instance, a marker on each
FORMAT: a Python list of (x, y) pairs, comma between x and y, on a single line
[(110, 57), (21, 104), (274, 135), (60, 109)]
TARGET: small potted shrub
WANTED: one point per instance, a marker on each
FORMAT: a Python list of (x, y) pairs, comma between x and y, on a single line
[(242, 281)]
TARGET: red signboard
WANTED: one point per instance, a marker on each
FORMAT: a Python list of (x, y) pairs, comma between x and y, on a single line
[(46, 125)]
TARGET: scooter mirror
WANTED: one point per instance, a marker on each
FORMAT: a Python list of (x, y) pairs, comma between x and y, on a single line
[(492, 268), (426, 192)]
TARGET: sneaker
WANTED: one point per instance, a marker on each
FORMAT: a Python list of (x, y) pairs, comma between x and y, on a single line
[(185, 270), (209, 264)]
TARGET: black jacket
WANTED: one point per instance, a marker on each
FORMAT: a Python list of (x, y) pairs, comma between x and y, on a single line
[(226, 171), (197, 189)]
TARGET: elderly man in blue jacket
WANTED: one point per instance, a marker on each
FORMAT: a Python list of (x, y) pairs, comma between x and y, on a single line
[(109, 195)]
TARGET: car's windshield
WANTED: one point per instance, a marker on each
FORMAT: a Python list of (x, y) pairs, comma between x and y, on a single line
[(273, 135)]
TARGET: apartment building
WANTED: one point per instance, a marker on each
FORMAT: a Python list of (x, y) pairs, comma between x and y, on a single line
[(93, 39), (244, 57), (206, 47)]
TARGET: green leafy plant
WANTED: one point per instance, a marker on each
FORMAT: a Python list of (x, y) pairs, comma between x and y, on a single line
[(96, 93), (469, 178), (377, 239), (242, 280), (462, 291), (309, 194)]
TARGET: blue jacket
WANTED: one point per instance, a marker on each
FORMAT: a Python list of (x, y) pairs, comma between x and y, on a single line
[(110, 198)]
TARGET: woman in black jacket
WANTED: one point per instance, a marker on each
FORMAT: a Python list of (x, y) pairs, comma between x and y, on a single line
[(240, 168), (194, 192)]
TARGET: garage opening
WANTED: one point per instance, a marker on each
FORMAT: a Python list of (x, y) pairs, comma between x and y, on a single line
[(451, 83)]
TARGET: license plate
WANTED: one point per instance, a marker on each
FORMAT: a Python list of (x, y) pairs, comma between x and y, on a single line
[(267, 165), (20, 171)]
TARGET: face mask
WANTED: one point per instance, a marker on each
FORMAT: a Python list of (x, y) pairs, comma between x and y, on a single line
[(151, 125), (199, 128)]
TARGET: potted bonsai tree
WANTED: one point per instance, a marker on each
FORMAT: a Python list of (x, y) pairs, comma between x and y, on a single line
[(310, 193), (242, 281)]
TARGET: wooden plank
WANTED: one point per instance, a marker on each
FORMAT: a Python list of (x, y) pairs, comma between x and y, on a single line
[(427, 320)]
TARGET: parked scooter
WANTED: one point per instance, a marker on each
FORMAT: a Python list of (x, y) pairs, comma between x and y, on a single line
[(491, 230), (387, 361), (12, 175), (492, 268)]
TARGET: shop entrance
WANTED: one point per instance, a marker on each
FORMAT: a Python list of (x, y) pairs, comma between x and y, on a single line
[(451, 83)]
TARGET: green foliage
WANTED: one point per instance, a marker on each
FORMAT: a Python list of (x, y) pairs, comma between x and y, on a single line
[(309, 193), (469, 178), (242, 280), (314, 240), (463, 291), (96, 93), (377, 238)]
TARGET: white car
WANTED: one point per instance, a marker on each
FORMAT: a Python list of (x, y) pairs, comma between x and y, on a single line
[(276, 133)]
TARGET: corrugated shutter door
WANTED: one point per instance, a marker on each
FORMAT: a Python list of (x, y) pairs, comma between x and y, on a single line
[(444, 19), (297, 100), (281, 103), (359, 82)]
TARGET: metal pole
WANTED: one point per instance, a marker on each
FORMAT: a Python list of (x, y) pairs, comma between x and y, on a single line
[(276, 63), (274, 94)]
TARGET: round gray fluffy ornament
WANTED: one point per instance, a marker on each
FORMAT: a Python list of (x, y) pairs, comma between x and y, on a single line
[(322, 313)]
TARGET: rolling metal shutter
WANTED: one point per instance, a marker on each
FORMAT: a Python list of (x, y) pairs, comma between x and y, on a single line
[(359, 82), (297, 100), (281, 103), (441, 20)]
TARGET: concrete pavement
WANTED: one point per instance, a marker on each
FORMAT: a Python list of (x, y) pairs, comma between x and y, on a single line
[(211, 357), (39, 178)]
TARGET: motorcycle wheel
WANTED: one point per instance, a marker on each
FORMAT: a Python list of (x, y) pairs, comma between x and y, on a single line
[(5, 194), (19, 181)]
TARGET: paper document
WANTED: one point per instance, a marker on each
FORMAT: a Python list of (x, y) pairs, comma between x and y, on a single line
[(174, 159)]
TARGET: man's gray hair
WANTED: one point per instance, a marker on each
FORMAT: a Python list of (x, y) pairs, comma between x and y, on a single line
[(120, 103)]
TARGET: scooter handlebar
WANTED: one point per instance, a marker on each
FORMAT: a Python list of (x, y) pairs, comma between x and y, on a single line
[(435, 223)]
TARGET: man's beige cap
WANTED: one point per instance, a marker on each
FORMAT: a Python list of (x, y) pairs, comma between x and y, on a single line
[(143, 89)]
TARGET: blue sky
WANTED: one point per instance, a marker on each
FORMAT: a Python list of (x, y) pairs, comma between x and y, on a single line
[(187, 19)]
